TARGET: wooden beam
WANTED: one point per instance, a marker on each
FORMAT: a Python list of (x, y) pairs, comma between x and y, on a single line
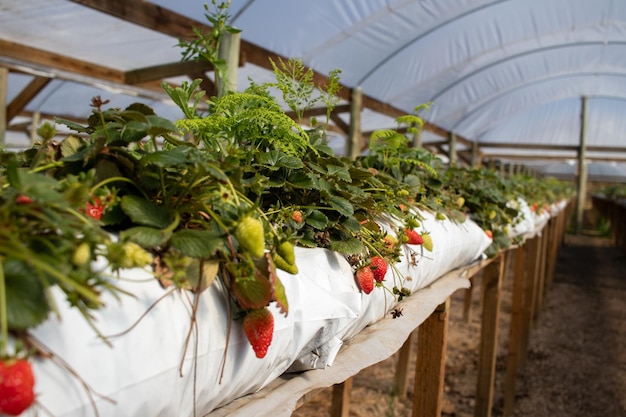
[(4, 86), (43, 58), (159, 72), (491, 294), (432, 341), (582, 168), (25, 96)]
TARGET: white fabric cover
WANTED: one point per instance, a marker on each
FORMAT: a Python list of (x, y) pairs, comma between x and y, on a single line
[(140, 372)]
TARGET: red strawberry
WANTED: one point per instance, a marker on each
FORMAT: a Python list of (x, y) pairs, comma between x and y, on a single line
[(259, 328), (414, 237), (297, 216), (23, 199), (365, 279), (16, 386), (379, 268)]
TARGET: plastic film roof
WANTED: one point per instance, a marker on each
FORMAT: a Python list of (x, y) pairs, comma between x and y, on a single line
[(502, 73)]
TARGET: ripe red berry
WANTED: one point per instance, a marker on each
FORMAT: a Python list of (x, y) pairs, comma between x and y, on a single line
[(16, 386), (297, 216), (379, 268), (23, 199), (258, 325), (365, 279), (414, 237)]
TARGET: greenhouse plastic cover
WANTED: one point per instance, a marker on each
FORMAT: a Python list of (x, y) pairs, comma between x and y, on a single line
[(511, 71)]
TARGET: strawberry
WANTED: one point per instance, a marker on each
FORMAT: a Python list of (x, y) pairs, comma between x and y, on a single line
[(258, 325), (365, 279), (16, 386), (389, 242), (297, 216), (251, 236), (428, 242), (489, 234), (414, 237), (23, 199), (379, 268)]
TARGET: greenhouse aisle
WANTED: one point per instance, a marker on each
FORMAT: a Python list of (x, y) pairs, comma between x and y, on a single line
[(576, 361), (576, 364)]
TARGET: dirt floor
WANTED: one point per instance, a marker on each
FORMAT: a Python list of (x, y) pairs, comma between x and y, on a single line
[(576, 360)]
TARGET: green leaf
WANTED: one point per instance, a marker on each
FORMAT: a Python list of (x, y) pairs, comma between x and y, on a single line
[(133, 131), (252, 291), (301, 179), (160, 126), (196, 243), (342, 205), (339, 171), (171, 157), (27, 305), (279, 159), (351, 224), (145, 212), (71, 145), (349, 246), (147, 237), (317, 219)]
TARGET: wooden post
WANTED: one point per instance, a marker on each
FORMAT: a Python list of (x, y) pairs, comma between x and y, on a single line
[(492, 289), (467, 302), (354, 137), (515, 331), (475, 158), (582, 168), (541, 283), (430, 364), (402, 366), (452, 149), (340, 406), (4, 86), (229, 52)]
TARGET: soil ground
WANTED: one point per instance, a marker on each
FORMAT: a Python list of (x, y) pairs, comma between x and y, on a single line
[(576, 359)]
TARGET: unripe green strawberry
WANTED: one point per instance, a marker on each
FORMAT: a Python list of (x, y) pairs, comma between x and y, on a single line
[(427, 242), (365, 279), (251, 236), (258, 325), (82, 254), (285, 250), (281, 263), (16, 386), (379, 268)]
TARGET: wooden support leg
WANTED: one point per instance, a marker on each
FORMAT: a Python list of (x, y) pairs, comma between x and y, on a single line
[(515, 331), (492, 289), (533, 248), (430, 364), (402, 367), (467, 304), (340, 406), (543, 260)]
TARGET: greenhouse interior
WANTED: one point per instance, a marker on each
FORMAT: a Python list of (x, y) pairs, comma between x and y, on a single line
[(313, 208)]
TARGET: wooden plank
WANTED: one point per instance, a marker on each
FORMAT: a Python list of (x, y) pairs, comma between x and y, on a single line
[(43, 58), (340, 406), (430, 364), (158, 72), (532, 252), (491, 292), (402, 366), (25, 96), (467, 304), (541, 283), (515, 330), (4, 86)]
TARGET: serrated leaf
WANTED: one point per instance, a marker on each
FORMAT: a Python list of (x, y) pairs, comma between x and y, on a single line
[(145, 212), (252, 291), (71, 145), (196, 243), (351, 224), (339, 171), (342, 205), (27, 305), (133, 131), (279, 159), (148, 237), (301, 179), (160, 126), (317, 219), (348, 246), (280, 296), (171, 157)]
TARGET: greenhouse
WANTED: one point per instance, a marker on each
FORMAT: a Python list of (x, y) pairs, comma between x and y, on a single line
[(312, 208)]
